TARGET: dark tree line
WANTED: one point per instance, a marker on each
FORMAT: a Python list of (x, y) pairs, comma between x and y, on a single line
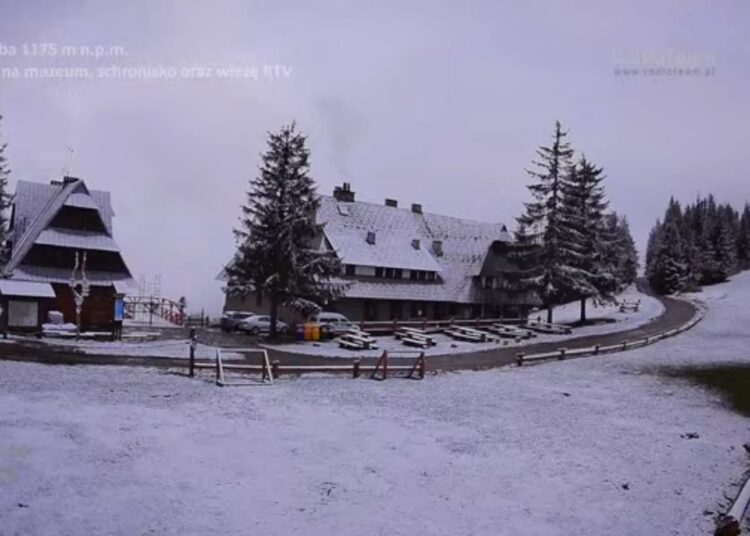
[(568, 246), (701, 244)]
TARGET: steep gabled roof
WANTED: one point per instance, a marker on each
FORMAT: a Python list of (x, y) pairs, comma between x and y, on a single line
[(35, 207)]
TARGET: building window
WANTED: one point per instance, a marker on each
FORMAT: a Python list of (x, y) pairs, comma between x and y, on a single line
[(378, 272), (422, 275), (389, 273), (350, 269), (398, 273), (413, 275), (430, 276), (488, 282)]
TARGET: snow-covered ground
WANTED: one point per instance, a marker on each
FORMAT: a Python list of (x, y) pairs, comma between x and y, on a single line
[(581, 447), (650, 308)]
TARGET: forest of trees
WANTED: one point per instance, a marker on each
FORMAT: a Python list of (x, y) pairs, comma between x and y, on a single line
[(700, 244), (568, 246)]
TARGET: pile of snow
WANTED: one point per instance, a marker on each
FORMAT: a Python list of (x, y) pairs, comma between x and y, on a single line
[(601, 445)]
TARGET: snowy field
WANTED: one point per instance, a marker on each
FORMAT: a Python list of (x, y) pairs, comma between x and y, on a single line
[(581, 447), (650, 308)]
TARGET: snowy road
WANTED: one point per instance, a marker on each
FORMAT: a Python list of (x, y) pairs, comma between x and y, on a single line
[(583, 447)]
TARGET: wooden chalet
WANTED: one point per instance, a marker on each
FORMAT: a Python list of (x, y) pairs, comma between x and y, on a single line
[(50, 226)]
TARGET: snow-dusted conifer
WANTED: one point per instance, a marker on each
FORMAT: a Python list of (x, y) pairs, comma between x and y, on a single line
[(277, 255), (542, 253), (591, 267)]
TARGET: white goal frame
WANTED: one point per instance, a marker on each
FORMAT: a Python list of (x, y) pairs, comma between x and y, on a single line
[(266, 379)]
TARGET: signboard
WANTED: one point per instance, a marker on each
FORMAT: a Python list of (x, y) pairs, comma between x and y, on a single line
[(119, 310)]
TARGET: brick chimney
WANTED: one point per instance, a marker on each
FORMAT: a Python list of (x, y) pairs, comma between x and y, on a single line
[(416, 208), (370, 237), (391, 202), (415, 243), (437, 247), (344, 193)]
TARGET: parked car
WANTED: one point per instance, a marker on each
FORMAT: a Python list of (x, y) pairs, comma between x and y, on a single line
[(257, 324), (333, 324), (231, 319)]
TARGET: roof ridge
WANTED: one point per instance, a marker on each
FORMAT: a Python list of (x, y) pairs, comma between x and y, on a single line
[(423, 213)]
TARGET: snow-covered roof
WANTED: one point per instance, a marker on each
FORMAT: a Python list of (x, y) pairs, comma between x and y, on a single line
[(465, 244), (69, 238), (50, 274), (26, 289), (35, 206)]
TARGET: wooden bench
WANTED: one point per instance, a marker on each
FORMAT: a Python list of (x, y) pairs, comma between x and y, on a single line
[(357, 341), (629, 306), (553, 329), (418, 339), (511, 332), (467, 334), (414, 337)]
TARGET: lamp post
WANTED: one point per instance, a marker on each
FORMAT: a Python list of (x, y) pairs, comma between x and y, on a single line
[(79, 286)]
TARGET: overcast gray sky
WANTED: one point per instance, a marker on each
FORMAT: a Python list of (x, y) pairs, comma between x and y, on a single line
[(441, 103)]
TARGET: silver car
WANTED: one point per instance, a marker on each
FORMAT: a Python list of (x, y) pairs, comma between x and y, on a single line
[(257, 324)]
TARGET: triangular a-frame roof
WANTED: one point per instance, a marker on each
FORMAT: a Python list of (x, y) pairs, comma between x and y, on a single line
[(71, 192)]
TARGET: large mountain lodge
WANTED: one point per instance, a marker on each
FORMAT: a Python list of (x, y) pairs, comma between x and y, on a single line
[(51, 227), (405, 263)]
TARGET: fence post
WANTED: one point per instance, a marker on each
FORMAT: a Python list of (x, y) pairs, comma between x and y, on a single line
[(596, 349), (625, 344), (193, 341), (385, 364), (355, 369), (275, 371), (519, 359), (562, 354), (422, 366)]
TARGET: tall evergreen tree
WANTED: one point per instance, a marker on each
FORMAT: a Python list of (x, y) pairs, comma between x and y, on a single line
[(543, 255), (4, 204), (668, 270), (276, 253), (593, 269)]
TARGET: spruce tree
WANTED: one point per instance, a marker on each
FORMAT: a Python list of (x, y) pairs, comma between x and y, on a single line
[(4, 204), (543, 253), (592, 268), (277, 254), (627, 262), (668, 270)]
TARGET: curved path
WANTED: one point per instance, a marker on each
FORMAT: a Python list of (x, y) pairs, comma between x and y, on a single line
[(676, 313)]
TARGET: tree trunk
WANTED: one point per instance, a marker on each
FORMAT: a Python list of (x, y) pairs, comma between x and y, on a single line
[(549, 314), (583, 310)]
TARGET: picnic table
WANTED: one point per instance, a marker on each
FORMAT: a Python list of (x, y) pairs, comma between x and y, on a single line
[(414, 337), (467, 334), (513, 332), (545, 327), (629, 306), (357, 340)]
